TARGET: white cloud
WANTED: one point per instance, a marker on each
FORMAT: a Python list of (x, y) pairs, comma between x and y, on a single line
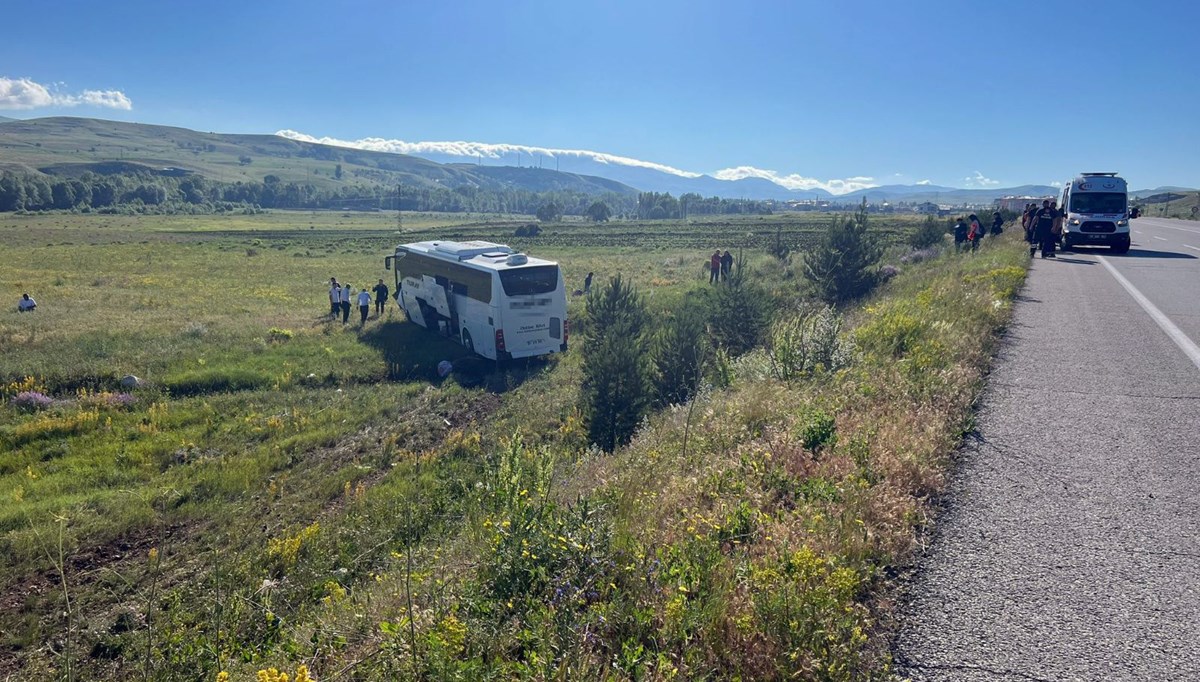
[(23, 93), (796, 181), (923, 182), (978, 180), (1054, 184), (477, 149), (113, 99), (474, 150)]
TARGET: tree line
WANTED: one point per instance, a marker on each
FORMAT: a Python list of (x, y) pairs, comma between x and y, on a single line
[(661, 205), (146, 192)]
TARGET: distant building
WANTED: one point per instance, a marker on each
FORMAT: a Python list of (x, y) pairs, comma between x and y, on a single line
[(1016, 204), (928, 208)]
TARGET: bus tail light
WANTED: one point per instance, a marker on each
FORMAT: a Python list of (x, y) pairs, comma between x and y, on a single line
[(500, 341)]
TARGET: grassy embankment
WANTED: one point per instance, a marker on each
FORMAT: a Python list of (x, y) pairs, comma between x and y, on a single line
[(353, 531)]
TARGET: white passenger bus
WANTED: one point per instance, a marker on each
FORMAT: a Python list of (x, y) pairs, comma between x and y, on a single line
[(498, 303), (1095, 210)]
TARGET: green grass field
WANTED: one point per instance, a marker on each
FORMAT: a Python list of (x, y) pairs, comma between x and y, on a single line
[(287, 490)]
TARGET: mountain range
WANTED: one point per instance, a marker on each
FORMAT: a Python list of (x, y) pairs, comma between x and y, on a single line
[(66, 145)]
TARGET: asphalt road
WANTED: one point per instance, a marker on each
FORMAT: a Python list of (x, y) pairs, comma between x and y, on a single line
[(1069, 548)]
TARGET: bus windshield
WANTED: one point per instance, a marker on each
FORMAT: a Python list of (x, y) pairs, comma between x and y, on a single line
[(1098, 202), (537, 279)]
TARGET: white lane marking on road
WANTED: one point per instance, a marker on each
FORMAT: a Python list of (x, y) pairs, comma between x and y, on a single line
[(1185, 344), (1197, 248), (1181, 229), (1137, 231), (1161, 239)]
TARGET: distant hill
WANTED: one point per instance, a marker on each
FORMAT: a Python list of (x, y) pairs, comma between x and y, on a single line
[(1144, 193), (5, 118), (942, 195), (69, 146)]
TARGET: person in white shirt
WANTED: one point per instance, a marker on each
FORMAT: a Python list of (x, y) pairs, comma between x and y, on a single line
[(364, 305), (335, 296), (26, 304), (344, 300)]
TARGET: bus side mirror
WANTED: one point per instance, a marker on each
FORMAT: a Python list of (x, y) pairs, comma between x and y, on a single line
[(387, 262)]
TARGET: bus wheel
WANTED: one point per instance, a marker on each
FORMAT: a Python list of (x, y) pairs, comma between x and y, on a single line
[(466, 341)]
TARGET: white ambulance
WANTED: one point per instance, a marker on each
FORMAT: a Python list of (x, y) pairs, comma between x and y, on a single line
[(1095, 210)]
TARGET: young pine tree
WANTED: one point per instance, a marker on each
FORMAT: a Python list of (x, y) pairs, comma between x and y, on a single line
[(842, 265), (930, 233), (739, 311), (679, 352), (615, 390)]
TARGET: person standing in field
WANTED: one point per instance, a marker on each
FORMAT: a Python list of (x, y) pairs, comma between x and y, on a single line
[(381, 294), (960, 234), (975, 232), (364, 305), (714, 267), (1043, 228), (997, 224), (726, 265), (587, 284), (344, 303), (335, 297), (26, 304)]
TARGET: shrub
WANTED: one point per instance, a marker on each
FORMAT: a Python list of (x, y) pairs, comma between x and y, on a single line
[(892, 332), (840, 266), (739, 312), (277, 335), (32, 401), (215, 381), (678, 354), (921, 255), (195, 330), (807, 343), (614, 389), (930, 233), (819, 430)]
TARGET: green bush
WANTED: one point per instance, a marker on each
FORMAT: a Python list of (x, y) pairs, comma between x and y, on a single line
[(841, 266), (615, 389), (215, 381), (739, 312), (679, 353), (809, 342), (819, 430), (277, 335), (891, 333), (930, 233)]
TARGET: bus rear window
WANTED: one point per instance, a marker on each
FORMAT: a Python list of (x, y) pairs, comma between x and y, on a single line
[(537, 279)]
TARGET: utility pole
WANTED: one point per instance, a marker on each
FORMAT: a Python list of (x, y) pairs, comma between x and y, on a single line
[(399, 215)]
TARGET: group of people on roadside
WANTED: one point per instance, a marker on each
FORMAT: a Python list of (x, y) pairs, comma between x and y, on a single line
[(969, 231), (720, 266), (1043, 227), (340, 296)]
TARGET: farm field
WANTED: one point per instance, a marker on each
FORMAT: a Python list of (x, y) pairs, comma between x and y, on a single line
[(287, 490)]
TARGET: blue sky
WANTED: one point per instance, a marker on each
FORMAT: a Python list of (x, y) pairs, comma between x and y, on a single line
[(1001, 93)]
